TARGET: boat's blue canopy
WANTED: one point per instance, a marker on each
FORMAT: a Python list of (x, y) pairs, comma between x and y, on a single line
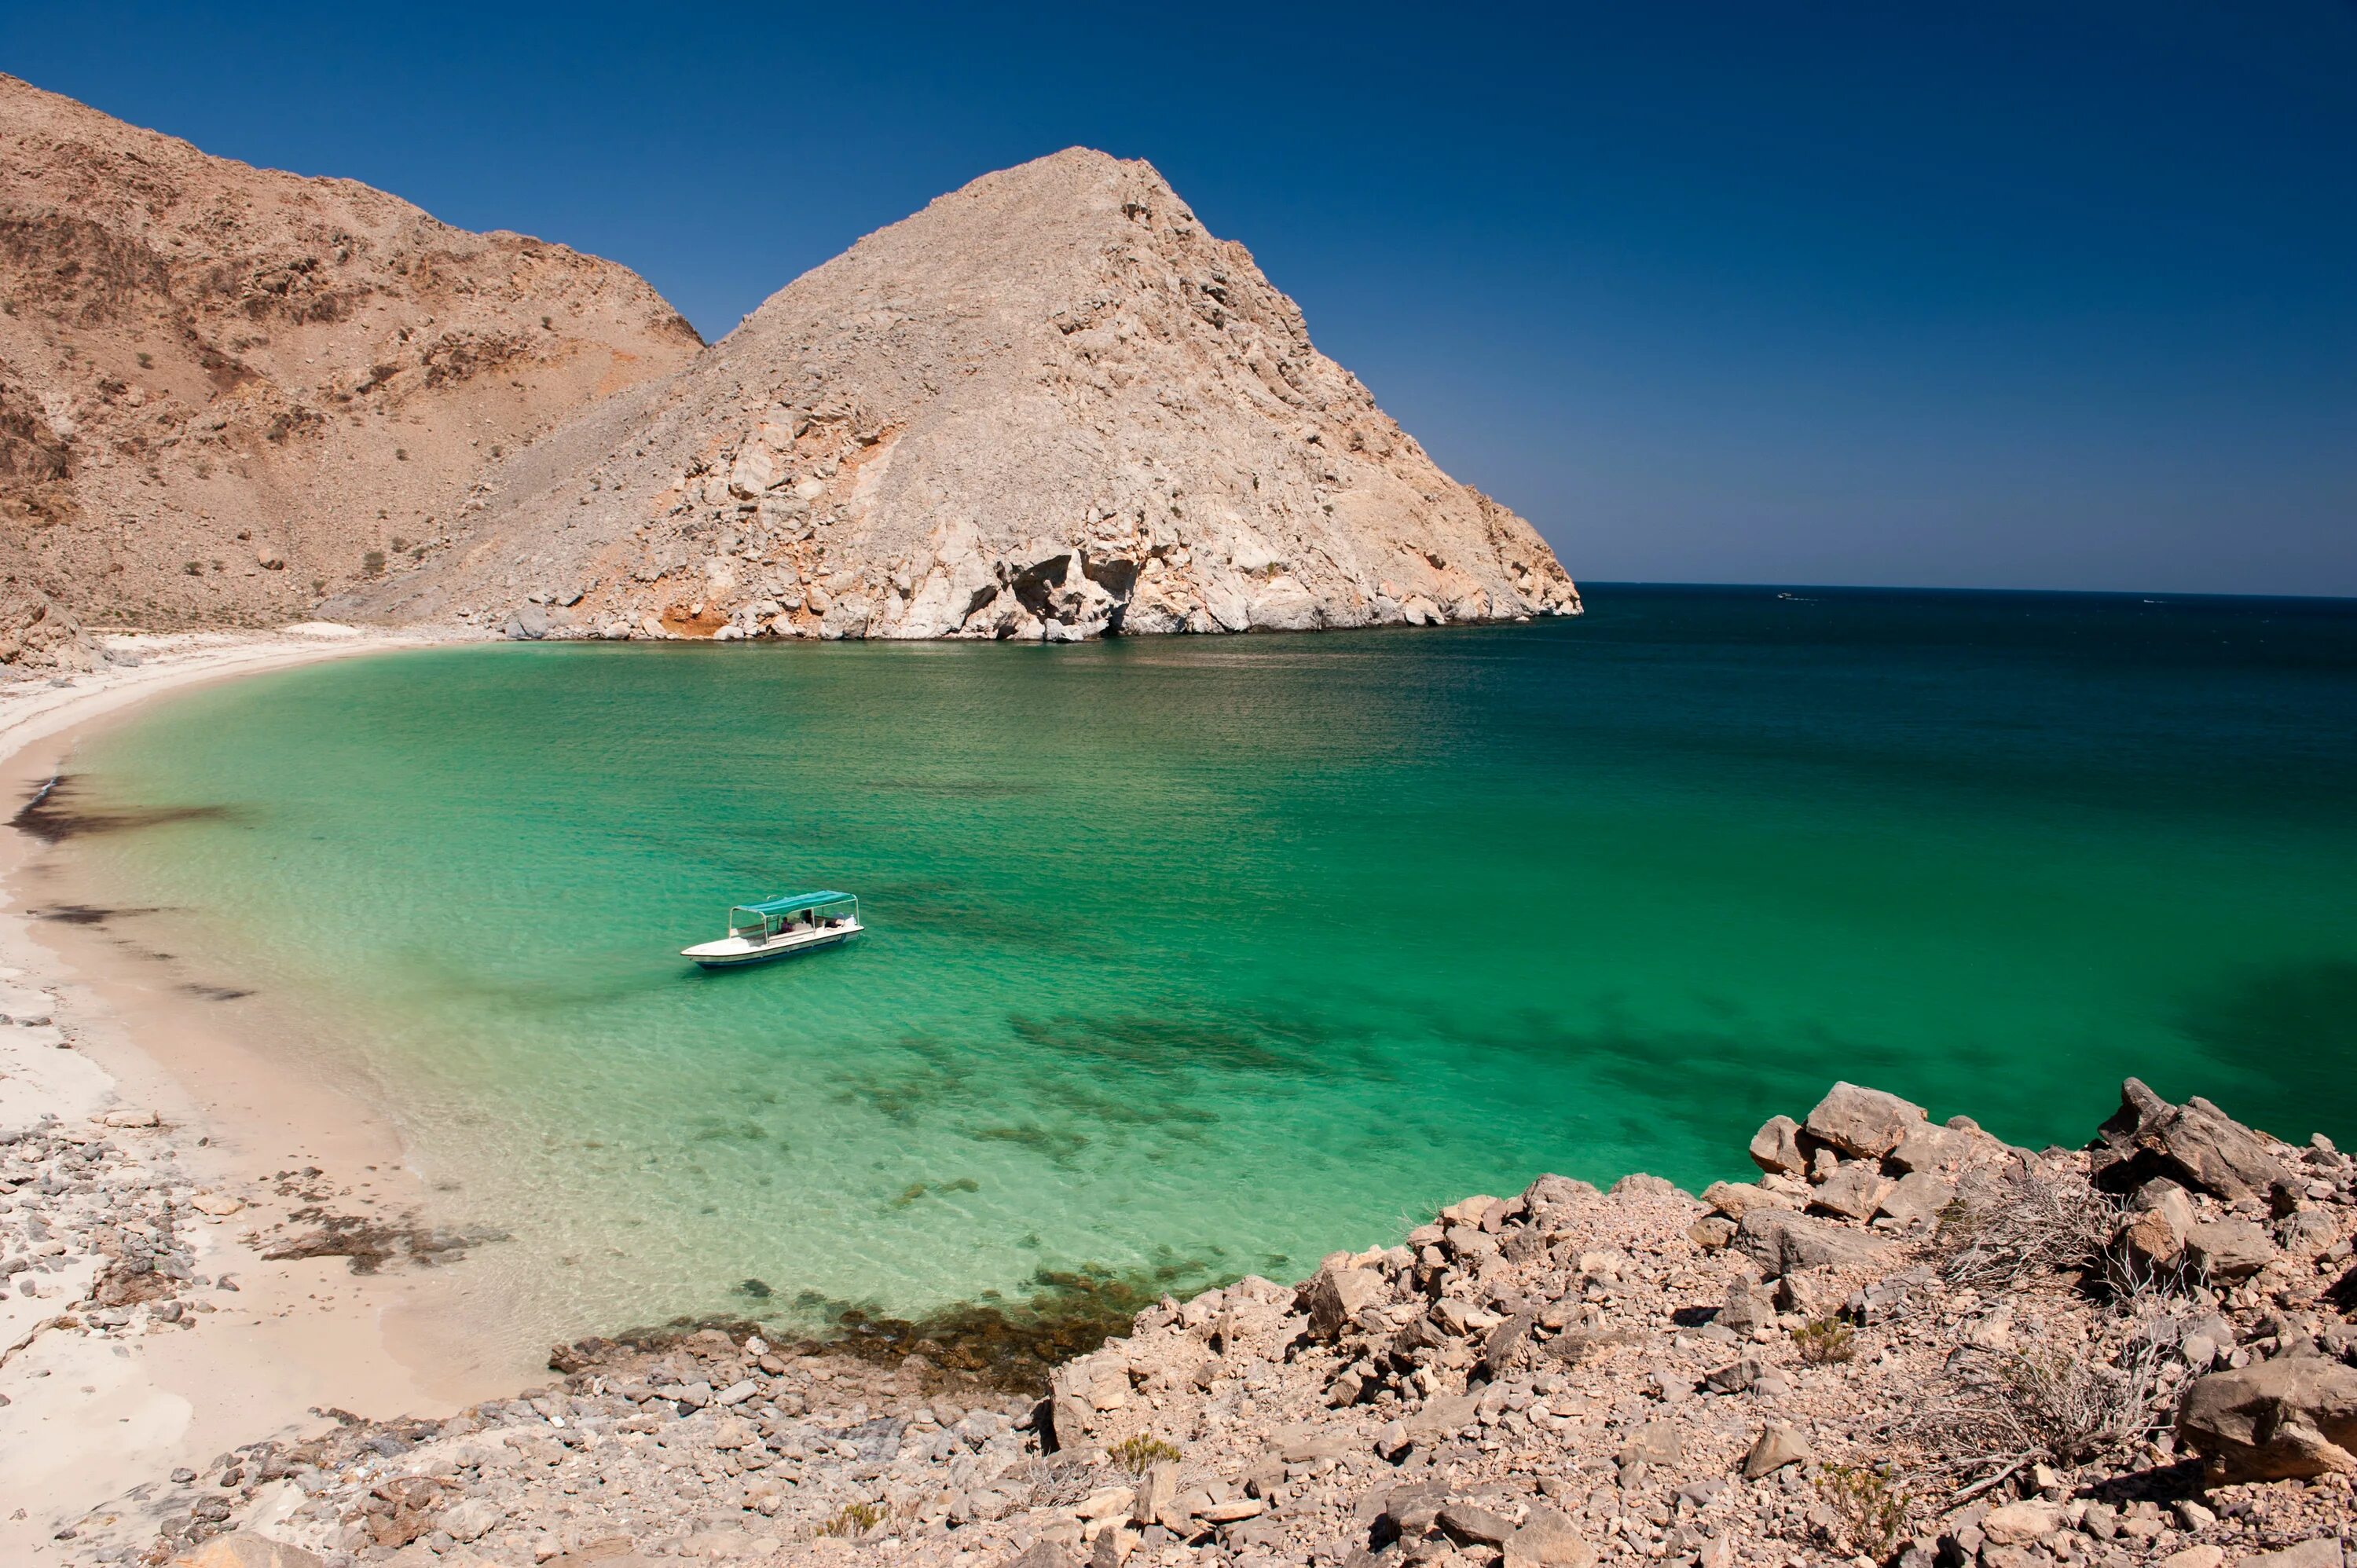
[(793, 903)]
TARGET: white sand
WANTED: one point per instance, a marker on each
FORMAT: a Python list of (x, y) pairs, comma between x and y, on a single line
[(92, 1415)]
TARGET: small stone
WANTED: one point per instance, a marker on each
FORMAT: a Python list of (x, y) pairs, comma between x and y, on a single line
[(1336, 1296), (1777, 1447), (1732, 1199), (1549, 1539), (2019, 1524), (1733, 1379), (2323, 1551), (1106, 1504), (244, 1550), (470, 1518), (1655, 1443), (2203, 1556), (1711, 1233), (1470, 1521)]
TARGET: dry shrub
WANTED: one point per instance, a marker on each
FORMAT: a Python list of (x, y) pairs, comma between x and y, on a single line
[(852, 1520), (1141, 1453), (1827, 1341), (1870, 1515), (2036, 1221), (2048, 1404)]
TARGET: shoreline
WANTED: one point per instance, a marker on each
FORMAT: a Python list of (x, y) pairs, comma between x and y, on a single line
[(1561, 1379), (1906, 1343), (96, 1407)]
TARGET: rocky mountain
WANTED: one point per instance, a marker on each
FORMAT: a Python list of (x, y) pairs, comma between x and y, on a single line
[(228, 391), (1049, 405)]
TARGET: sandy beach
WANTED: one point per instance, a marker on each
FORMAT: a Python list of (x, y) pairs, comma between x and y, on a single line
[(182, 1098)]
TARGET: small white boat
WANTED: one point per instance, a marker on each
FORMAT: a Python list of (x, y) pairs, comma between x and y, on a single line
[(780, 928)]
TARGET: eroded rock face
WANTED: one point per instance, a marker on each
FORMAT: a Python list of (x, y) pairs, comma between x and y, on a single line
[(1049, 406), (225, 391)]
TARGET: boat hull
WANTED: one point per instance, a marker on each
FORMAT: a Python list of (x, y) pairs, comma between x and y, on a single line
[(734, 952)]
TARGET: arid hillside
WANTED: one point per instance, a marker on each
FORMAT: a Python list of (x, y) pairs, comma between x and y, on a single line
[(228, 391), (1050, 405)]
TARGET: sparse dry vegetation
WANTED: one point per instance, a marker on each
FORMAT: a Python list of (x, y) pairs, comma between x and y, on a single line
[(1826, 1342), (2037, 1222), (1869, 1514), (2051, 1404), (1141, 1453), (852, 1520)]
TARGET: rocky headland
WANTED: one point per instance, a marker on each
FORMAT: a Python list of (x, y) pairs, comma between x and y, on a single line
[(1905, 1342), (227, 393), (1050, 405)]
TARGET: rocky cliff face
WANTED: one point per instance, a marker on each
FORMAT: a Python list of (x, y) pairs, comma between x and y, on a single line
[(1050, 405), (226, 391)]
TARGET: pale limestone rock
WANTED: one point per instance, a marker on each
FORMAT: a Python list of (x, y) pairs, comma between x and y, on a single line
[(1864, 1123), (1047, 407)]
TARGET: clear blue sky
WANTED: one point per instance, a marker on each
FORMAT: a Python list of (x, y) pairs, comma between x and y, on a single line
[(2039, 295)]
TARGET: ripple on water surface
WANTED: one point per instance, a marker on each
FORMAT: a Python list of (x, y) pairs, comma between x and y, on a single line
[(1199, 957)]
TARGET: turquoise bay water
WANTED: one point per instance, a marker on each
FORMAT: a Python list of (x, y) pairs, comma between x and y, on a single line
[(1198, 956)]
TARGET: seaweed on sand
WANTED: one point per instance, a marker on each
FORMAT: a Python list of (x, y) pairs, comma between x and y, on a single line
[(56, 813)]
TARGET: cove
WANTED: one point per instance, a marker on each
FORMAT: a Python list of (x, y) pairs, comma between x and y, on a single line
[(1192, 958)]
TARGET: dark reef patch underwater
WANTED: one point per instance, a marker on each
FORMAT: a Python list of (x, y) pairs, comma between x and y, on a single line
[(1196, 957)]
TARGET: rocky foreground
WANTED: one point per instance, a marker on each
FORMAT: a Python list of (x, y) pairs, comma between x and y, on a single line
[(1905, 1343)]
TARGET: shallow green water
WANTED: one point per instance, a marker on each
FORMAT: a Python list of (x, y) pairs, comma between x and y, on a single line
[(1199, 957)]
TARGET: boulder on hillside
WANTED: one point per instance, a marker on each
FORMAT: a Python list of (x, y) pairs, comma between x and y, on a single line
[(1917, 1199), (2229, 1249), (1852, 1192), (1735, 1199), (2194, 1144), (1863, 1123), (1945, 1152), (1336, 1296), (1783, 1242), (2293, 1418), (1776, 1147)]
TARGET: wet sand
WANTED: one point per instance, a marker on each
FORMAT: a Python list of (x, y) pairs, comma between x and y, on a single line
[(91, 1415)]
